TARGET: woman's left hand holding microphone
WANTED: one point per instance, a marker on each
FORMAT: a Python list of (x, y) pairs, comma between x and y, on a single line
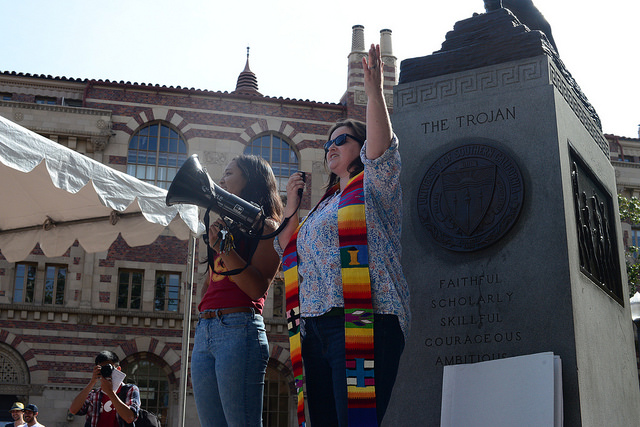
[(295, 187)]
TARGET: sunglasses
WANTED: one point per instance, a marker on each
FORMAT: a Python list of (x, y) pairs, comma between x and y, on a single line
[(340, 140)]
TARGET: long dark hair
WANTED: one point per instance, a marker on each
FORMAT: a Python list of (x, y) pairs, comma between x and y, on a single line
[(261, 186), (356, 166)]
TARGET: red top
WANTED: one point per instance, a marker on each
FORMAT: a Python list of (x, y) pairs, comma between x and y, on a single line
[(224, 293), (107, 417)]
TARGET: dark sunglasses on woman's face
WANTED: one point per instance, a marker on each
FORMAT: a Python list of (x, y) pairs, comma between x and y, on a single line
[(340, 140)]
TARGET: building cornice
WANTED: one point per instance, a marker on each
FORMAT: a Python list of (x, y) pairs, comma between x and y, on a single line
[(619, 164), (48, 82), (31, 308), (22, 310), (241, 97), (56, 108)]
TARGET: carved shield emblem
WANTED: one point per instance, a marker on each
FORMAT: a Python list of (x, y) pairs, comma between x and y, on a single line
[(468, 193), (470, 197)]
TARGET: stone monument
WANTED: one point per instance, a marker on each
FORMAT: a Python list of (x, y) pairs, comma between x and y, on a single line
[(511, 239)]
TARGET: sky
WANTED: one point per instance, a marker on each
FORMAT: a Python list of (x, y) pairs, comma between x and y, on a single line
[(298, 48)]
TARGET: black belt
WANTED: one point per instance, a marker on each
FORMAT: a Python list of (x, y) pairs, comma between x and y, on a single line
[(335, 311), (223, 311)]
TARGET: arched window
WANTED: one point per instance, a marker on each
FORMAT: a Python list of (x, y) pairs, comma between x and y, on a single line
[(152, 381), (155, 154), (278, 293), (14, 376), (282, 158), (275, 408)]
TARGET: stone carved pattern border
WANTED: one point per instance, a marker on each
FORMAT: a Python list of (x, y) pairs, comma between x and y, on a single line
[(570, 97), (360, 98), (477, 81), (390, 61)]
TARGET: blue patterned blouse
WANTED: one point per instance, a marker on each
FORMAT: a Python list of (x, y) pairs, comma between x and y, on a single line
[(318, 255)]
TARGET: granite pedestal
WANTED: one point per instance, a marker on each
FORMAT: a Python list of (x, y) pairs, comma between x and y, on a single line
[(511, 239)]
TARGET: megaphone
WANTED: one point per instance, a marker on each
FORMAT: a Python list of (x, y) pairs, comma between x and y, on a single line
[(192, 185)]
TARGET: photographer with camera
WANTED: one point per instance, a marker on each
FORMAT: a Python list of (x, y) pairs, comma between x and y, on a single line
[(104, 406)]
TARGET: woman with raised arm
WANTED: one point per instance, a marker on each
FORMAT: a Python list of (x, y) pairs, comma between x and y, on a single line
[(347, 298)]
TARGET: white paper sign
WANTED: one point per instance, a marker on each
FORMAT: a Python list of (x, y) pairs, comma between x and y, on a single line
[(517, 391)]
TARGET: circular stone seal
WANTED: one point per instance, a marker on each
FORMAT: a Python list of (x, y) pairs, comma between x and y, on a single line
[(470, 197)]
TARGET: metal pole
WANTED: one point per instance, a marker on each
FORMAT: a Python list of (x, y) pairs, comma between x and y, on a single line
[(186, 331)]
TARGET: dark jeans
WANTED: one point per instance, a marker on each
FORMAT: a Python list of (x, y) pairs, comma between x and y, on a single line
[(325, 372)]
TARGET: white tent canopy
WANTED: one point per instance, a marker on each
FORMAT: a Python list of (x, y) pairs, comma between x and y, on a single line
[(45, 198)]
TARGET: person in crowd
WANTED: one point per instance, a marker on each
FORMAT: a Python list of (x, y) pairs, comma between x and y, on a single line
[(105, 406), (342, 270), (31, 416), (231, 351), (16, 411)]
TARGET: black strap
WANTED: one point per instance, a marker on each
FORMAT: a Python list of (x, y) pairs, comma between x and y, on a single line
[(284, 223), (253, 245), (122, 394)]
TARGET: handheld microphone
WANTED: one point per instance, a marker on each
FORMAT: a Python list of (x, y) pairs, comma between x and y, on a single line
[(304, 179)]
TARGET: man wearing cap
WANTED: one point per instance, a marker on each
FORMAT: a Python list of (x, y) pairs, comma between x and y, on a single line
[(16, 412), (30, 414)]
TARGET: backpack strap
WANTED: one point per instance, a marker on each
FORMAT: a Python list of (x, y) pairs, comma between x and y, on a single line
[(122, 394)]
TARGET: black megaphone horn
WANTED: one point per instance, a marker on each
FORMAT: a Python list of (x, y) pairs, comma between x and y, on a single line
[(192, 185)]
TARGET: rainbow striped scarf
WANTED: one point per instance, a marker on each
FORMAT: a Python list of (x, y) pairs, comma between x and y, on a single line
[(358, 309)]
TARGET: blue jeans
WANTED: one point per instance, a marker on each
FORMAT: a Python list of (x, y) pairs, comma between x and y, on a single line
[(228, 365), (325, 372)]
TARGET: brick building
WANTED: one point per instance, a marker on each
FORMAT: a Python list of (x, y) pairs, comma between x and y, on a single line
[(625, 158), (57, 313)]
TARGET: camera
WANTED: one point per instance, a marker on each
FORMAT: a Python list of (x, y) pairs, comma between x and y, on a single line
[(106, 370)]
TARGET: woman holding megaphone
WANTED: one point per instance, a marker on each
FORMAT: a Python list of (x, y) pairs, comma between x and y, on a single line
[(231, 351)]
